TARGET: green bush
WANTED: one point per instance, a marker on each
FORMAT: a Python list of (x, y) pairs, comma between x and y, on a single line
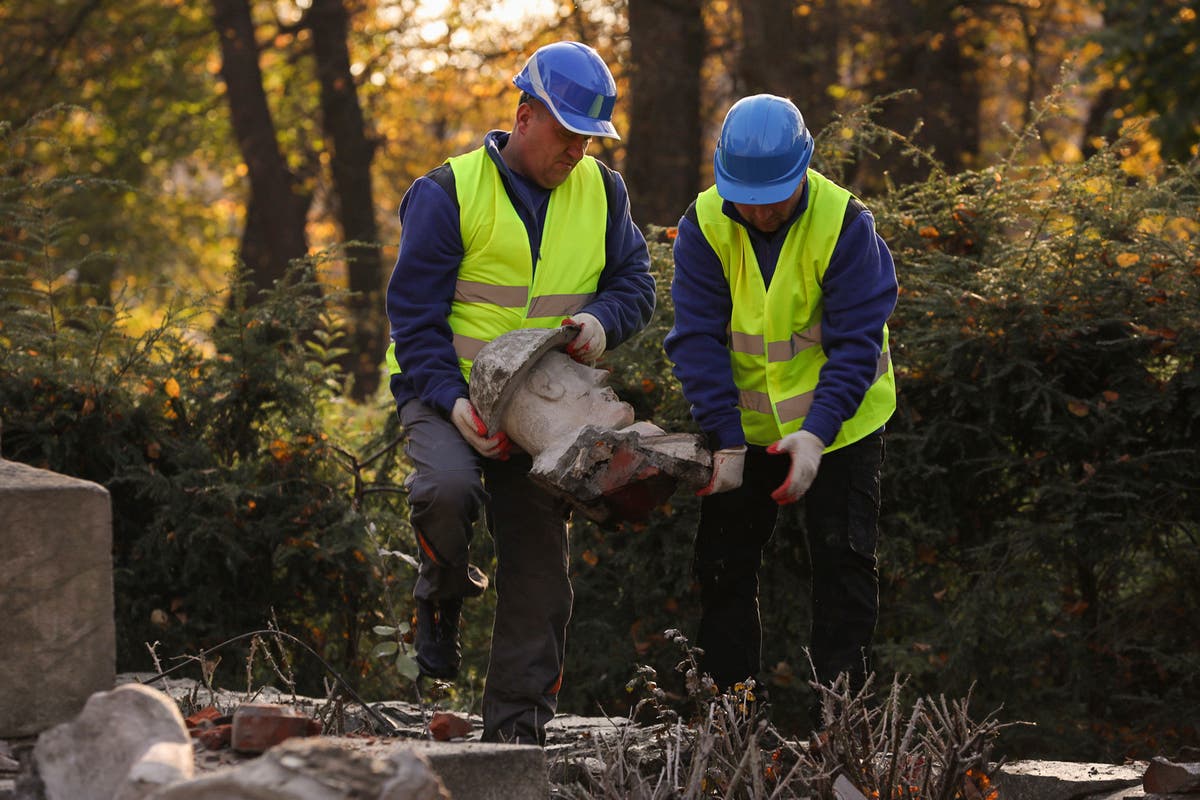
[(232, 507), (1040, 512), (1041, 493)]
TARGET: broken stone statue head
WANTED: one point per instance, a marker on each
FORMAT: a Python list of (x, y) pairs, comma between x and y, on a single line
[(584, 441)]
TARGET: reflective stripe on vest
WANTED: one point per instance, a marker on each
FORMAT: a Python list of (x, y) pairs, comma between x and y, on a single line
[(775, 331), (498, 290)]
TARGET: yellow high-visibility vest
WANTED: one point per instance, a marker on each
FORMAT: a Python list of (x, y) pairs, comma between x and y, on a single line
[(775, 332), (498, 289)]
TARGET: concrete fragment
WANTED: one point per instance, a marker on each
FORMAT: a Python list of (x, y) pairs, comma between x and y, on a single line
[(56, 597), (163, 764), (843, 789), (1167, 777), (445, 726), (484, 771), (257, 727), (1131, 793), (317, 769), (97, 755), (1064, 780)]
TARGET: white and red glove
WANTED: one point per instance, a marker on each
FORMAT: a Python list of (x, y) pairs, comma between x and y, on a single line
[(588, 345), (727, 467), (466, 419), (805, 449)]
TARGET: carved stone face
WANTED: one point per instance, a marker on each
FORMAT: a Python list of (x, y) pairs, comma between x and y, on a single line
[(558, 397)]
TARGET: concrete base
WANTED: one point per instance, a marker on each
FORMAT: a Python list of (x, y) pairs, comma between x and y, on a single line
[(56, 597), (1066, 780), (487, 771)]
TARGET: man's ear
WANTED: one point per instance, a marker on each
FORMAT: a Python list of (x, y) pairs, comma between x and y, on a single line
[(525, 114), (544, 385)]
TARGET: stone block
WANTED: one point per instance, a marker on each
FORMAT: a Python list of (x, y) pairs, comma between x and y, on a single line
[(1065, 780), (56, 597), (482, 771)]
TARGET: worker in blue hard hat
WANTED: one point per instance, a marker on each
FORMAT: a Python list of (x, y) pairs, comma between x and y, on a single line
[(782, 293), (526, 231)]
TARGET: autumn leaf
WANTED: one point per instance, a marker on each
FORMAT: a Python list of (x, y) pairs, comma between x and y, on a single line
[(171, 387), (1077, 408), (280, 450)]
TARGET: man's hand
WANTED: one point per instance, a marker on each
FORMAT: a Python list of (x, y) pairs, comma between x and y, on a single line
[(467, 420), (726, 471), (588, 345), (805, 450)]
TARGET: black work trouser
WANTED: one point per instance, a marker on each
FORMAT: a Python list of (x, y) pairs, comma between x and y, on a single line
[(841, 512)]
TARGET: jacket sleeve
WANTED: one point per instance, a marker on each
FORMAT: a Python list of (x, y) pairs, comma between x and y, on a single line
[(698, 343), (421, 290), (859, 294), (624, 299)]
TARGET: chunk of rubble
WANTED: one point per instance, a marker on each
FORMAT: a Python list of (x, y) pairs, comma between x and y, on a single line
[(316, 769), (123, 744), (1168, 777)]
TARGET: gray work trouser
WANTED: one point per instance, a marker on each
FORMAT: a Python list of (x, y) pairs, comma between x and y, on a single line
[(449, 486)]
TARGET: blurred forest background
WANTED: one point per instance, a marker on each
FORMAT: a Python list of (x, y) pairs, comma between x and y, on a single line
[(197, 223)]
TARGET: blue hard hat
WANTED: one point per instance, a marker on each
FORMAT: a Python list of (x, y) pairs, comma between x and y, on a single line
[(763, 151), (573, 82)]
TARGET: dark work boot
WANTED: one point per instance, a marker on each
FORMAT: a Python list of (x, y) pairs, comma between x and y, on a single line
[(439, 653)]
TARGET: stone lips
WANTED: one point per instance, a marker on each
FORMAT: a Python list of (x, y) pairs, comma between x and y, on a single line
[(502, 363)]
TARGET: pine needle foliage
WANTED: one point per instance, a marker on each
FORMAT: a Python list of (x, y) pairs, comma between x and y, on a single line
[(1040, 520), (1041, 506)]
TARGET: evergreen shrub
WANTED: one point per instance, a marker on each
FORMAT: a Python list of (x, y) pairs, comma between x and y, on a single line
[(1041, 517)]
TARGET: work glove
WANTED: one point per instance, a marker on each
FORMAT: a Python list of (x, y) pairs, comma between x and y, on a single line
[(726, 471), (805, 449), (467, 420), (588, 344)]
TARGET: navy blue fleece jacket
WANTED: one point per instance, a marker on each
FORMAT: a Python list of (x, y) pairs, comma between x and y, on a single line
[(422, 285), (859, 292)]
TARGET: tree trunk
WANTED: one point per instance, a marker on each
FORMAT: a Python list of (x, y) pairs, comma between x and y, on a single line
[(922, 49), (791, 55), (352, 154), (662, 164), (275, 215)]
